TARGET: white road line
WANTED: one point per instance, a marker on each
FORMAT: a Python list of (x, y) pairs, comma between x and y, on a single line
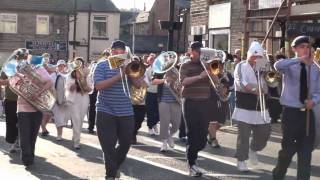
[(168, 157), (178, 170), (203, 154)]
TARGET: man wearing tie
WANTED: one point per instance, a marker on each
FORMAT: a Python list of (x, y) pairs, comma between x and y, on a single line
[(301, 92)]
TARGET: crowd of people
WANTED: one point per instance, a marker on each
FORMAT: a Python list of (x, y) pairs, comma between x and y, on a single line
[(197, 112)]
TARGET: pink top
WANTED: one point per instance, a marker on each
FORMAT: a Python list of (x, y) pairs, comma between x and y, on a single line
[(22, 104)]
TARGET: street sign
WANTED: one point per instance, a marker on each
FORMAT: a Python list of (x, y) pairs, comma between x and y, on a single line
[(308, 29), (46, 45)]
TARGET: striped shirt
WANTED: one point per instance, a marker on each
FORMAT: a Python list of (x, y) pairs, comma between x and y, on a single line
[(111, 100), (167, 96)]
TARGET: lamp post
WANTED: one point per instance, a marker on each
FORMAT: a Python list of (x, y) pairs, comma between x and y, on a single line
[(133, 28)]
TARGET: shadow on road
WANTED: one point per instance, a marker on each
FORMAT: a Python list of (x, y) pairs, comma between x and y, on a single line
[(41, 168)]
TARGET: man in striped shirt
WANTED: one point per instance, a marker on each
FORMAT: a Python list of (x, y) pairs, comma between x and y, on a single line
[(114, 113)]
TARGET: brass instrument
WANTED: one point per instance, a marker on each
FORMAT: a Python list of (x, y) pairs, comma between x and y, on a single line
[(26, 82), (316, 58), (165, 64), (81, 76), (211, 61), (273, 78), (134, 69)]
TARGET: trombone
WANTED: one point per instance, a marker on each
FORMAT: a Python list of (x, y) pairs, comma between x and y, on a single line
[(211, 59), (134, 69)]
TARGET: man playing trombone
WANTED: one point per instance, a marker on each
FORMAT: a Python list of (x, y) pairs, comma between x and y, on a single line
[(250, 109), (114, 118), (198, 105), (300, 94)]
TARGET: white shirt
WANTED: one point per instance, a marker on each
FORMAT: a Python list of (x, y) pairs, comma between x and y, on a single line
[(244, 74)]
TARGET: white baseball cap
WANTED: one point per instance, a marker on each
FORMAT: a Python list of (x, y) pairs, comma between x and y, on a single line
[(61, 61)]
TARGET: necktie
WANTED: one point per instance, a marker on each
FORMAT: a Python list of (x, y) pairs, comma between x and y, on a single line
[(303, 83)]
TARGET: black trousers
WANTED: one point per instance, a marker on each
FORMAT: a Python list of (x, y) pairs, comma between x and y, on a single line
[(152, 106), (92, 110), (182, 129), (294, 140), (275, 109), (28, 125), (10, 110), (139, 114), (196, 117), (113, 129)]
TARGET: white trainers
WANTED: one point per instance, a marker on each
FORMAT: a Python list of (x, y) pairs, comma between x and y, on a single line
[(195, 171), (151, 132), (59, 138), (171, 142), (155, 129), (164, 146), (242, 166), (253, 158)]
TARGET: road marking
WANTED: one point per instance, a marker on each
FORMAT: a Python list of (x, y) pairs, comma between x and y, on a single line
[(169, 157)]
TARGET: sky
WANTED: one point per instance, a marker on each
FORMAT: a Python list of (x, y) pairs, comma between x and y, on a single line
[(128, 4)]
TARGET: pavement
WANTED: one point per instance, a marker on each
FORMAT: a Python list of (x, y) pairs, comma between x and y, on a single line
[(58, 160)]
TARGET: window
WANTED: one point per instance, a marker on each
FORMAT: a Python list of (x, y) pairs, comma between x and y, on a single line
[(8, 23), (219, 15), (220, 41), (42, 24), (99, 26)]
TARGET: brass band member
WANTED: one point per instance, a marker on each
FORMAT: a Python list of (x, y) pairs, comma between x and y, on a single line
[(298, 94), (198, 105), (248, 112)]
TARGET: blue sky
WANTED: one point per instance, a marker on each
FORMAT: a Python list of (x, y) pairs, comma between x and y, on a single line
[(128, 4)]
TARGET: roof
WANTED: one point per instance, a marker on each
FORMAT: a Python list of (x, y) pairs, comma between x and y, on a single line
[(143, 17), (64, 6), (146, 44), (127, 17)]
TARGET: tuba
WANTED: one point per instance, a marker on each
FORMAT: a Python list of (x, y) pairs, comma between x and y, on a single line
[(165, 63), (134, 69), (211, 61), (26, 82), (81, 76)]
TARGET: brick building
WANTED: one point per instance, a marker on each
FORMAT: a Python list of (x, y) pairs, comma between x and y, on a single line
[(40, 26), (217, 23)]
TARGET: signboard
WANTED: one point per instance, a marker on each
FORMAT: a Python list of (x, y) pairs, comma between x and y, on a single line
[(46, 45), (308, 29)]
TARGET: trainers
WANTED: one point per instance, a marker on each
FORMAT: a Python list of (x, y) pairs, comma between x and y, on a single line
[(45, 133), (213, 142), (164, 146), (253, 158), (13, 148), (170, 142), (242, 166), (59, 138), (194, 171), (155, 129), (151, 132)]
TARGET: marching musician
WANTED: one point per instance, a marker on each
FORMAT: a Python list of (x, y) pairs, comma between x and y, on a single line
[(78, 85), (29, 118), (251, 118), (115, 122), (169, 110), (198, 105), (300, 94), (152, 106)]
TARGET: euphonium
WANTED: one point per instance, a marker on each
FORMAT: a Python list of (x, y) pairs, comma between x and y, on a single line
[(272, 78), (26, 82), (81, 77), (211, 61), (165, 63)]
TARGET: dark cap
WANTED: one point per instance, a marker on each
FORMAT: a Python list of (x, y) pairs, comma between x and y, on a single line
[(196, 45), (118, 44), (299, 40)]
